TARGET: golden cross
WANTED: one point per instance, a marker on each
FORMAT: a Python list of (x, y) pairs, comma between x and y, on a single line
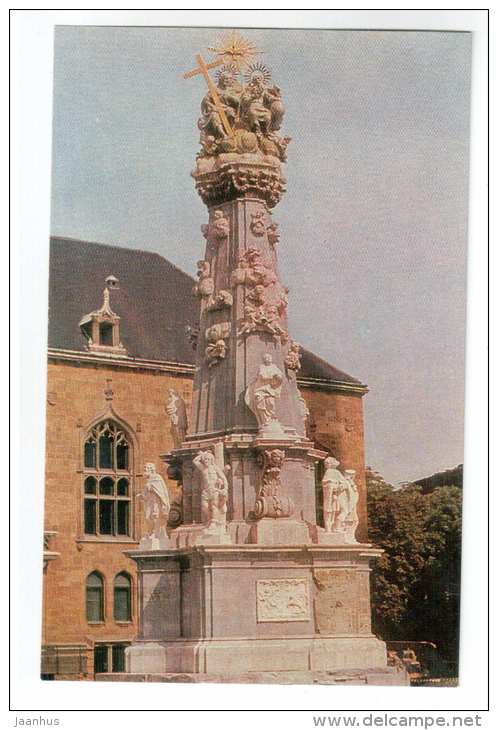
[(203, 68)]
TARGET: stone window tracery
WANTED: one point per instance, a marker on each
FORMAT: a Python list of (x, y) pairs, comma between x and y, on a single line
[(107, 482)]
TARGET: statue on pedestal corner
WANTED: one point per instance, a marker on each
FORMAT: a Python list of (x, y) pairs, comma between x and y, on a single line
[(351, 522), (214, 492), (177, 412), (335, 496), (156, 502)]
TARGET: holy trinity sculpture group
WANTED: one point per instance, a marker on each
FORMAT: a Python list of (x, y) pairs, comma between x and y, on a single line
[(242, 117)]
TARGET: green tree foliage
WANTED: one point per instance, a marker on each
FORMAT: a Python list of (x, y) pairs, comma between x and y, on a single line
[(415, 586)]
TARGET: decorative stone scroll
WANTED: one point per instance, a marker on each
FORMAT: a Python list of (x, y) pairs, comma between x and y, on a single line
[(222, 300), (269, 502), (273, 234), (216, 346), (266, 299), (257, 226), (205, 286), (217, 230), (285, 599), (205, 290)]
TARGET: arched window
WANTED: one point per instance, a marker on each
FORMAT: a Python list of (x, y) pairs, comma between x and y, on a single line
[(107, 457), (122, 597), (94, 598)]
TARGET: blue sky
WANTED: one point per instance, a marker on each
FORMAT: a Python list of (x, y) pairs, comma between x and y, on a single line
[(373, 226)]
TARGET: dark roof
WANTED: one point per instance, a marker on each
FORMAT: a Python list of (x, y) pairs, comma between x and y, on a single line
[(154, 300)]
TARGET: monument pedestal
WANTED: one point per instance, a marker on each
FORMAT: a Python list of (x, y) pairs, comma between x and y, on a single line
[(219, 610)]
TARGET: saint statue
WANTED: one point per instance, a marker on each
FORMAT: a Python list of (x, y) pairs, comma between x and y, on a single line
[(262, 394), (353, 496), (177, 412), (335, 496), (214, 491), (156, 501)]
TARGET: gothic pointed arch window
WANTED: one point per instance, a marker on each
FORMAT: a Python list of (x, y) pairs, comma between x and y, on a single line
[(107, 481), (95, 598), (122, 597)]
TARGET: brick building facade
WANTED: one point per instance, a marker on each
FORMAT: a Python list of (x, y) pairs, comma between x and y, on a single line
[(111, 361)]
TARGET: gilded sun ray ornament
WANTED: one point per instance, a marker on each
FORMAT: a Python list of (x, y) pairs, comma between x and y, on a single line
[(232, 48), (257, 70)]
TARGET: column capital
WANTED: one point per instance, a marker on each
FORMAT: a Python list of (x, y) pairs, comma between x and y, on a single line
[(230, 176)]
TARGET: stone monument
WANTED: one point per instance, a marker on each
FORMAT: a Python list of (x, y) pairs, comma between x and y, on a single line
[(246, 584)]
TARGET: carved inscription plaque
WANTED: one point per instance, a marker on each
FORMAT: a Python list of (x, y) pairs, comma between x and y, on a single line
[(342, 604), (285, 599)]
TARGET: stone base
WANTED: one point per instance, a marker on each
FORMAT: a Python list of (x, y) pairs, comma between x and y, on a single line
[(236, 656), (334, 538), (295, 608), (386, 677), (192, 535), (156, 543), (269, 531)]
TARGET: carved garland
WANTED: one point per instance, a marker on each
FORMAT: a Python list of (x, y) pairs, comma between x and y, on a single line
[(266, 298)]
